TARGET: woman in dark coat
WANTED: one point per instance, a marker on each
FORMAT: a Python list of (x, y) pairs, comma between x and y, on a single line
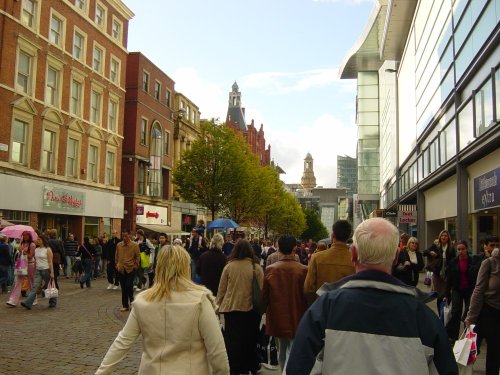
[(211, 264), (410, 263), (86, 252), (439, 256)]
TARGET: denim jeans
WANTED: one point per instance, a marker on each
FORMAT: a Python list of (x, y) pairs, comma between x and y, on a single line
[(285, 345), (70, 260), (4, 277), (41, 276), (87, 271)]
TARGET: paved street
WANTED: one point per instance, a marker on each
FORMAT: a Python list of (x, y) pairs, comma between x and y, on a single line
[(73, 337)]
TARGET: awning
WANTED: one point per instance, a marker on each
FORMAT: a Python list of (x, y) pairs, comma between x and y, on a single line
[(163, 229)]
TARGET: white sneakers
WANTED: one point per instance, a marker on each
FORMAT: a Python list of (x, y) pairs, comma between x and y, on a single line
[(114, 287), (110, 286)]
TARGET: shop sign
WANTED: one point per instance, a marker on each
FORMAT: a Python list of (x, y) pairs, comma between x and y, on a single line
[(62, 199), (390, 213), (487, 190), (147, 214), (407, 217)]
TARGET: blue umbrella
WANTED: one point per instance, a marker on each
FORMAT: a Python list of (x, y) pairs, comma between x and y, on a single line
[(223, 223)]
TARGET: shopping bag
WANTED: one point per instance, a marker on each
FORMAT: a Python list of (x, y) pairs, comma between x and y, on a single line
[(445, 312), (21, 266), (471, 335), (25, 286), (428, 278), (461, 350), (145, 260), (51, 291)]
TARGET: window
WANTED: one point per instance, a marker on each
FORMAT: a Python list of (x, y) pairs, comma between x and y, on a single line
[(24, 69), (52, 87), (112, 113), (497, 94), (140, 177), (145, 81), (56, 29), (116, 30), (167, 97), (80, 4), (114, 71), (72, 158), (97, 59), (76, 98), (109, 178), (95, 107), (49, 144), (144, 126), (92, 163), (155, 158), (483, 100), (78, 45), (19, 142), (29, 13), (157, 90), (100, 15), (167, 143)]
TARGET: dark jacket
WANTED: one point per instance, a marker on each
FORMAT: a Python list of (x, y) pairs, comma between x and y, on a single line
[(372, 320), (57, 251), (86, 251), (434, 263), (453, 275), (109, 250), (194, 250), (408, 274), (5, 258), (209, 267), (283, 293), (70, 248)]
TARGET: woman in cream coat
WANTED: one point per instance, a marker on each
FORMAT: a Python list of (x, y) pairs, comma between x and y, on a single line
[(181, 333), (241, 322)]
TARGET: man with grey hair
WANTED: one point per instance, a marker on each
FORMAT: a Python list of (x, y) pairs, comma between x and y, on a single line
[(370, 322)]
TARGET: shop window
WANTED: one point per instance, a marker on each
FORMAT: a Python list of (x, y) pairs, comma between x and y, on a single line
[(91, 226)]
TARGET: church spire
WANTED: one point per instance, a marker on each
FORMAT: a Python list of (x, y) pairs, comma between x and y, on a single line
[(308, 181)]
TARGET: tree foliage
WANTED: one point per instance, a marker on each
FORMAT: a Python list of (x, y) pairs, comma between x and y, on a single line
[(314, 227)]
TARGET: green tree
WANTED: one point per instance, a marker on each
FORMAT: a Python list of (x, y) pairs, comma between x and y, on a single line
[(285, 215), (211, 171), (314, 227)]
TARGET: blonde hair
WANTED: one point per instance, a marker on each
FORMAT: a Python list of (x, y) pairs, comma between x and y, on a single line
[(217, 241), (413, 240), (376, 241), (321, 246), (173, 273)]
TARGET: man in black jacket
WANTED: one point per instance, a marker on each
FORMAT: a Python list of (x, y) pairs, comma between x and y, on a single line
[(108, 254)]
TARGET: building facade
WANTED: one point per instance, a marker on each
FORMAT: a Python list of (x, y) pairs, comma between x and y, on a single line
[(308, 181), (435, 65), (235, 119), (61, 125)]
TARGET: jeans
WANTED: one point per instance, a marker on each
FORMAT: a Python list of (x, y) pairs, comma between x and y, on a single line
[(112, 274), (284, 345), (4, 277), (70, 260), (193, 268), (87, 271), (459, 297), (127, 284), (41, 276), (97, 266)]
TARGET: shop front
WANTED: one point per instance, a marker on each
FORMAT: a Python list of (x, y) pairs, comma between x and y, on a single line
[(67, 208)]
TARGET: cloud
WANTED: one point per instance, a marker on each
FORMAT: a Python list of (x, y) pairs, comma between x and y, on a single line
[(349, 2), (280, 83), (210, 97), (326, 138)]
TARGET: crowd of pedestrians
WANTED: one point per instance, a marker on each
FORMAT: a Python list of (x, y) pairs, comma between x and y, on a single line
[(214, 303)]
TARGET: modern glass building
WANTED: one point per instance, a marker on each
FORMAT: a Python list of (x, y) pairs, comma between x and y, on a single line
[(437, 68)]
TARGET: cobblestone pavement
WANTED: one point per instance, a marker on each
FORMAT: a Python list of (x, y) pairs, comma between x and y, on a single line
[(73, 338)]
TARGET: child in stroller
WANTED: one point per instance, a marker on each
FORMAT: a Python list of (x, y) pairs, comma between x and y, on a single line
[(77, 269)]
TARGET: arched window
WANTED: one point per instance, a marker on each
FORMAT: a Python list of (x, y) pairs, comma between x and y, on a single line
[(155, 157)]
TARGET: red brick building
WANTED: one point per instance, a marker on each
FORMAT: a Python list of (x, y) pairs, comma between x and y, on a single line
[(62, 91), (235, 119), (148, 148)]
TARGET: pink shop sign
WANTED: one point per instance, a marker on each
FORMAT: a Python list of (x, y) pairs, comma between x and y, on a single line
[(62, 199)]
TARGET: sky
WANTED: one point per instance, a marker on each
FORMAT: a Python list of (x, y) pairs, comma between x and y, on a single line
[(285, 56)]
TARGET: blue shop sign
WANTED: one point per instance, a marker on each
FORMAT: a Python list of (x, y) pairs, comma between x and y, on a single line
[(487, 190)]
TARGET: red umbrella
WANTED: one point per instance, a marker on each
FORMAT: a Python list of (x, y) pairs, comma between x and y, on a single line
[(16, 231)]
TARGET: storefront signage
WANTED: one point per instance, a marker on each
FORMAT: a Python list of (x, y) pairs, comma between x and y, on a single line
[(407, 217), (62, 199), (487, 190), (146, 214), (390, 213)]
